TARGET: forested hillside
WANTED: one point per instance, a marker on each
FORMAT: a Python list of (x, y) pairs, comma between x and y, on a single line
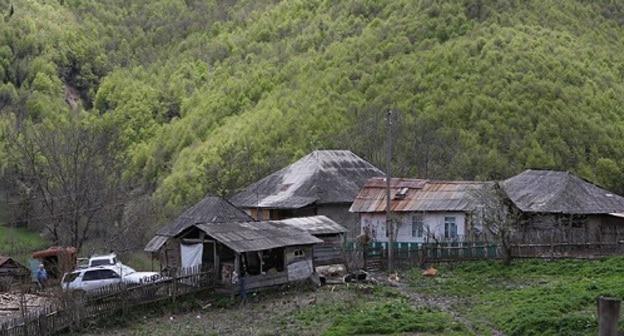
[(187, 97)]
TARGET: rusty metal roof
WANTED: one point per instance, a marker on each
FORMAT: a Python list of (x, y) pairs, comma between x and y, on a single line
[(316, 225), (323, 176), (55, 251), (416, 195), (257, 236)]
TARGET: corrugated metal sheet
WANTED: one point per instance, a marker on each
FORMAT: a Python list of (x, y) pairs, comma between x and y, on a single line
[(316, 225), (155, 243), (421, 195), (323, 176), (547, 191), (257, 236)]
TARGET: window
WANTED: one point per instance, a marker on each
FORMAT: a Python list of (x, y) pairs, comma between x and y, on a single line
[(102, 262), (417, 226), (100, 275), (108, 274), (450, 227), (70, 277)]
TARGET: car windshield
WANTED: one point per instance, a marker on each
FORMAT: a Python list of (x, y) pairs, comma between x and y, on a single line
[(101, 262), (71, 277)]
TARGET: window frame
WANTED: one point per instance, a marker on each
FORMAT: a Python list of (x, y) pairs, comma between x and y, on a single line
[(450, 222), (418, 225)]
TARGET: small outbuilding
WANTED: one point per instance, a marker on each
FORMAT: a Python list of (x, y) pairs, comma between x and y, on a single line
[(165, 247), (12, 271), (333, 235), (267, 253), (57, 260)]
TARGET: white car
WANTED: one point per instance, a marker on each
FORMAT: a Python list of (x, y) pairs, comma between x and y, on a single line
[(92, 278)]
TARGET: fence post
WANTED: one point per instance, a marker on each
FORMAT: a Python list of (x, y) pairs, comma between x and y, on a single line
[(175, 291), (608, 316)]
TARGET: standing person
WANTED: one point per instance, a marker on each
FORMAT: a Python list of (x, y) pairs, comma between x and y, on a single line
[(42, 276)]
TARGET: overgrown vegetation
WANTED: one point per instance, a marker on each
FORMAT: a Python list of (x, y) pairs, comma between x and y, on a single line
[(204, 96), (529, 297)]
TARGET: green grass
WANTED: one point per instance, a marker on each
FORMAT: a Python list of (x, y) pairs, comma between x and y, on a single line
[(385, 312), (19, 243), (529, 297)]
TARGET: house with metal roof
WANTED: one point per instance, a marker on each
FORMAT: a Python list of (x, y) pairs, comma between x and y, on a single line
[(557, 206), (423, 210), (324, 182)]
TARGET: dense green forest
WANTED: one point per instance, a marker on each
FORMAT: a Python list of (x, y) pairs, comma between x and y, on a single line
[(188, 97)]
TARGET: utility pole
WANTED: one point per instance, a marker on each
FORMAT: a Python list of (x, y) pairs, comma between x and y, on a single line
[(389, 226)]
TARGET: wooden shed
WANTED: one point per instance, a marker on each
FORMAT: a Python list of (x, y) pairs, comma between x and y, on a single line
[(12, 271), (268, 253), (165, 245), (57, 260), (330, 251)]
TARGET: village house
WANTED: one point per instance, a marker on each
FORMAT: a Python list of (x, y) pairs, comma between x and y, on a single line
[(323, 182), (559, 207), (424, 210)]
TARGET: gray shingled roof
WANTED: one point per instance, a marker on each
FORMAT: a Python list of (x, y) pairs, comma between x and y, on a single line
[(257, 236), (156, 243), (211, 209), (323, 176), (549, 191), (315, 225)]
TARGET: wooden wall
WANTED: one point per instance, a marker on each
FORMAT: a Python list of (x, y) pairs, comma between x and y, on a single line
[(330, 251)]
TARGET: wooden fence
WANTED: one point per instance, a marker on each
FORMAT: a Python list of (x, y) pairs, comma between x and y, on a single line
[(72, 311), (406, 255)]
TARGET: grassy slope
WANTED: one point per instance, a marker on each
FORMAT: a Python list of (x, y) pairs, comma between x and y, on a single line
[(339, 311), (530, 297)]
